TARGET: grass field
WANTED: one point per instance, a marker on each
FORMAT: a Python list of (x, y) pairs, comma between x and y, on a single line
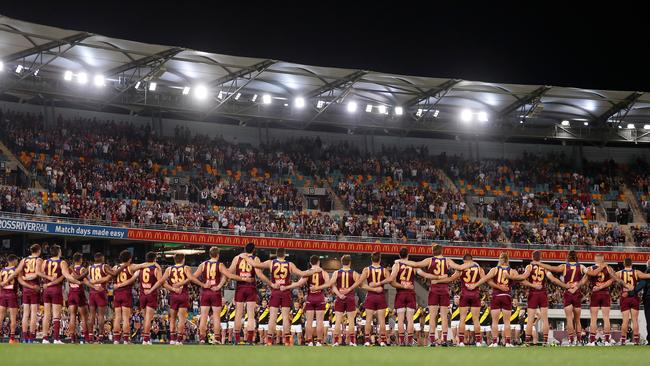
[(98, 355)]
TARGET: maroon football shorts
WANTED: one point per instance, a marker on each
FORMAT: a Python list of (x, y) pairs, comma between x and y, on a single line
[(315, 302), (9, 299), (123, 299), (470, 300), (600, 299), (77, 298), (210, 298), (628, 303), (345, 305), (537, 299), (438, 297), (53, 295), (245, 294), (31, 297), (501, 302), (405, 299), (149, 301), (574, 299), (375, 301), (97, 299), (280, 299), (177, 301)]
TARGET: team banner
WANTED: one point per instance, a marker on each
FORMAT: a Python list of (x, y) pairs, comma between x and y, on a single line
[(40, 227), (356, 247)]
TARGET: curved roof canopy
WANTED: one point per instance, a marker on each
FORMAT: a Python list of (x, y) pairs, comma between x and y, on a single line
[(40, 61)]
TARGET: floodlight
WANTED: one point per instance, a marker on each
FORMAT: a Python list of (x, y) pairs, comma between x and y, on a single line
[(352, 107), (399, 111), (299, 102), (152, 86), (466, 115), (266, 99), (82, 78)]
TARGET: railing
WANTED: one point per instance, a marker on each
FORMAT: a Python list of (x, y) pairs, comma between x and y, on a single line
[(339, 238)]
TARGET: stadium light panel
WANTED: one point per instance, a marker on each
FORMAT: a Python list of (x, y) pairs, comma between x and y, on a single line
[(352, 107), (299, 102), (646, 127), (369, 108), (19, 69), (254, 98), (200, 92), (137, 85), (399, 111), (419, 112), (630, 126), (186, 90), (152, 86), (67, 76), (565, 123), (220, 95), (266, 98), (586, 123), (435, 113), (2, 66), (237, 96), (82, 78), (36, 72), (99, 80), (466, 115), (521, 122), (382, 109), (320, 104), (482, 117)]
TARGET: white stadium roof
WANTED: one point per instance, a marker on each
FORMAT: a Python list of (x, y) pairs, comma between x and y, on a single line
[(36, 60)]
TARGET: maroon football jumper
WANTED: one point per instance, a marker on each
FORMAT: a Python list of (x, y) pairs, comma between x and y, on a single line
[(280, 276), (211, 276), (438, 292), (375, 300), (405, 298), (537, 298)]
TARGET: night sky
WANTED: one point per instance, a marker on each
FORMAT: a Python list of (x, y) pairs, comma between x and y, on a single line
[(533, 43)]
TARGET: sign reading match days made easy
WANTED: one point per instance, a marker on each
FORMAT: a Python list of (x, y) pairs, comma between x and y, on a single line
[(40, 227)]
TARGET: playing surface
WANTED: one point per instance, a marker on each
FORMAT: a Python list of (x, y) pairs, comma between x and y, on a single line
[(97, 355)]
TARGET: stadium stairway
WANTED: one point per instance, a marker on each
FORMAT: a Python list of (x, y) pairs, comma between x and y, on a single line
[(14, 161), (336, 200), (449, 184), (630, 199)]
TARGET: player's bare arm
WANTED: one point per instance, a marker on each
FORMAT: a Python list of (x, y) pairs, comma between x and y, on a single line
[(26, 284), (327, 284), (191, 278), (161, 279), (448, 279), (458, 267), (295, 270), (255, 263), (642, 275), (556, 280), (515, 276), (128, 282), (421, 264), (263, 278), (528, 284), (550, 268)]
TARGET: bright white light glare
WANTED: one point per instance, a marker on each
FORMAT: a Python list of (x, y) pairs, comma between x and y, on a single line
[(382, 109), (435, 113), (368, 108), (565, 123), (254, 97), (586, 123), (320, 104), (237, 96), (482, 117), (220, 95), (466, 115), (521, 122), (352, 107), (200, 92), (646, 127), (2, 66), (152, 86), (36, 72), (19, 69), (266, 99), (98, 80), (399, 111), (67, 76), (137, 85), (630, 126), (82, 78), (186, 90), (419, 112), (299, 102)]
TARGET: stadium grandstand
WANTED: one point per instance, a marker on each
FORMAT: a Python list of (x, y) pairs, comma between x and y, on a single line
[(110, 145)]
